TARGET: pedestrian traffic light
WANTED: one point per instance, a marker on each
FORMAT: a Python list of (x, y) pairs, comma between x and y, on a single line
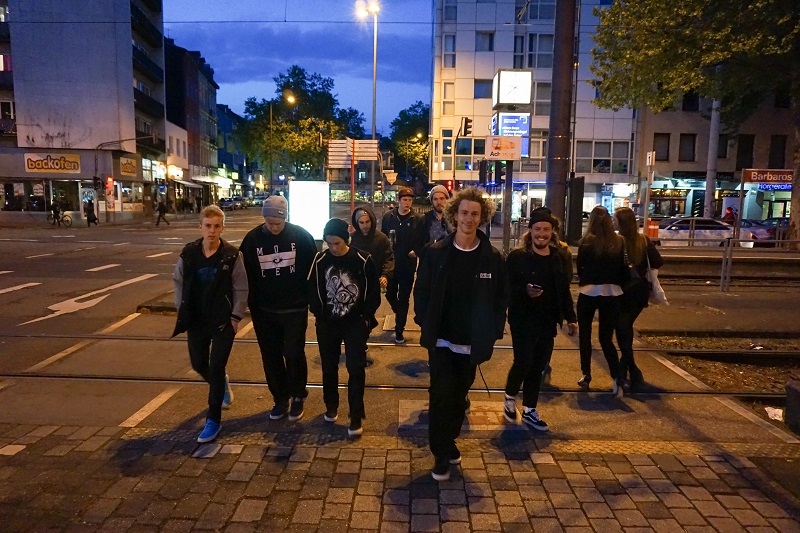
[(466, 129), (500, 171), (98, 183), (449, 185), (483, 167)]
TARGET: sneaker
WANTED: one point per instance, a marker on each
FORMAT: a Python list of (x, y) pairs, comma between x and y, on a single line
[(210, 431), (546, 374), (296, 411), (227, 397), (441, 470), (399, 339), (455, 457), (355, 428), (510, 409), (330, 415), (617, 391), (584, 381), (637, 379), (468, 407), (532, 418), (279, 411)]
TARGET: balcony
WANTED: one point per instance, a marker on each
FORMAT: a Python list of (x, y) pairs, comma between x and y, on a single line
[(147, 66), (7, 80), (153, 5), (142, 25), (147, 104), (5, 36), (146, 141)]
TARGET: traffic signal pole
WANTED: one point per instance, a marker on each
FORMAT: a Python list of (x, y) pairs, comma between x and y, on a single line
[(508, 191)]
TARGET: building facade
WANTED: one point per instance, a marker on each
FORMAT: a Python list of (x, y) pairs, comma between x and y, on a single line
[(230, 158), (83, 99)]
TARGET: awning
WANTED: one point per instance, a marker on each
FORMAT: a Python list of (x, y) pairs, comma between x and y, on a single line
[(189, 184)]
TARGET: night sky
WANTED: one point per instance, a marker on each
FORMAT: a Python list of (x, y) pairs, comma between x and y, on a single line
[(248, 42)]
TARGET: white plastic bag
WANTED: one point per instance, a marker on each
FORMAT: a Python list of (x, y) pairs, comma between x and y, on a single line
[(657, 294)]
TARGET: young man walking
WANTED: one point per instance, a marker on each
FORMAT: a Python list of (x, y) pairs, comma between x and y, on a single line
[(277, 257), (540, 302), (460, 302), (211, 298), (344, 294), (366, 237), (161, 208), (400, 225), (433, 226)]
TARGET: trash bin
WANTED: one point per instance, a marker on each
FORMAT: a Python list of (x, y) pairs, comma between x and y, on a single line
[(652, 229)]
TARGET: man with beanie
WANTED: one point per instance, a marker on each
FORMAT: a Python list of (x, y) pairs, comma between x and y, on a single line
[(367, 237), (277, 257), (433, 226), (400, 224), (344, 294), (540, 302)]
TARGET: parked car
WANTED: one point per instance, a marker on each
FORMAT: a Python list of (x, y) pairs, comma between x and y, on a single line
[(777, 228), (683, 231), (226, 204), (753, 229), (239, 203), (258, 200)]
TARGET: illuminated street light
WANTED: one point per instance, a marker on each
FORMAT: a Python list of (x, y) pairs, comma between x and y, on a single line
[(365, 10), (291, 99)]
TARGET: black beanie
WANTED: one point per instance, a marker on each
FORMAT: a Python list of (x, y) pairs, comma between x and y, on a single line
[(338, 228), (541, 214)]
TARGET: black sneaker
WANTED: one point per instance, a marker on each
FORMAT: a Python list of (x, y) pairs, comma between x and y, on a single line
[(455, 457), (296, 411), (330, 415), (355, 428), (399, 339), (533, 419), (584, 381), (279, 411), (441, 469)]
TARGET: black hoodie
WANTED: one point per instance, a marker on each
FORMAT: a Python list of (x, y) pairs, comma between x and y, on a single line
[(376, 243)]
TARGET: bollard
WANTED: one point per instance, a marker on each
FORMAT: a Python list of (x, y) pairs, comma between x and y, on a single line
[(791, 415)]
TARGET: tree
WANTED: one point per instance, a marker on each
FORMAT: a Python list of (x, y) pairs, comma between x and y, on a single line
[(736, 51), (409, 136), (288, 135)]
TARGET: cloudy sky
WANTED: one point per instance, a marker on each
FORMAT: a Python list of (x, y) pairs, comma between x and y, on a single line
[(248, 42)]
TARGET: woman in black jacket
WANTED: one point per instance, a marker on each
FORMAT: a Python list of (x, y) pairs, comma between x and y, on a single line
[(601, 271), (640, 250)]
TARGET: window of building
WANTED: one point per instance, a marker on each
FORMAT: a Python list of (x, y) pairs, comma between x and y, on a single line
[(691, 101), (483, 89), (542, 10), (142, 86), (686, 147), (143, 126), (540, 50), (7, 109), (4, 11), (602, 157), (169, 146), (448, 98), (661, 146), (450, 10), (484, 41), (537, 152), (5, 63), (541, 98), (744, 151), (519, 51), (521, 12), (777, 151), (449, 50), (722, 147), (184, 149)]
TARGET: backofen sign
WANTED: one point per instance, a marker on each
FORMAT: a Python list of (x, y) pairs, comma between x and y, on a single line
[(53, 163)]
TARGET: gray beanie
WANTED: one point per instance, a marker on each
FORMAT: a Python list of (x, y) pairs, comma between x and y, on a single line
[(441, 189), (275, 206)]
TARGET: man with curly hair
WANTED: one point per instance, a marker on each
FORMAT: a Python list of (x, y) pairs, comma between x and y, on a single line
[(460, 302)]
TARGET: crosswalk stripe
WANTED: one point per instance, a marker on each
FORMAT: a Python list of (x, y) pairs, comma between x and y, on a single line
[(104, 267), (18, 287), (158, 255)]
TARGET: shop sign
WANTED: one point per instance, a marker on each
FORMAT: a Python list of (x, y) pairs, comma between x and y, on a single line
[(53, 163), (774, 186), (750, 175), (38, 189), (503, 148), (127, 166)]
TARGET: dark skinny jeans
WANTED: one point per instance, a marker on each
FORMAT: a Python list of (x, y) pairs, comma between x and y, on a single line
[(452, 375), (330, 335), (209, 349), (282, 340), (629, 312), (608, 308), (532, 350)]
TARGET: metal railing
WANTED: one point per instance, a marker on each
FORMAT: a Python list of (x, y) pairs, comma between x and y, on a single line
[(727, 258)]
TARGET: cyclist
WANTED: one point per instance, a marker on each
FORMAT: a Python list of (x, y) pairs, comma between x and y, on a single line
[(56, 210)]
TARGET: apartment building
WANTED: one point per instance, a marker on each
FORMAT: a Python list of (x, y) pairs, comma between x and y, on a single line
[(232, 161), (82, 96)]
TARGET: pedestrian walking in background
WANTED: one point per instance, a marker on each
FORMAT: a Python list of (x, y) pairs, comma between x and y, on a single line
[(278, 256), (540, 301), (641, 253), (161, 208), (344, 294), (400, 225), (91, 217), (56, 210), (460, 302), (211, 299), (433, 226), (367, 237), (601, 271)]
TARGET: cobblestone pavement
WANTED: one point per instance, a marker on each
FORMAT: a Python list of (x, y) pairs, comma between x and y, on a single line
[(59, 478)]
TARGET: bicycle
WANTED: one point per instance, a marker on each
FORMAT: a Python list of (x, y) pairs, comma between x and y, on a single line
[(66, 220)]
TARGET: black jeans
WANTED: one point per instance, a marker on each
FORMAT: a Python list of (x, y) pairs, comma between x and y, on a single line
[(398, 294), (451, 377), (160, 218), (532, 351), (282, 340), (629, 312), (330, 336), (209, 349), (608, 308)]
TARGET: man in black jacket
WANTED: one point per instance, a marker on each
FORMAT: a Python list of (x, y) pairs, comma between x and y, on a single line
[(400, 224), (460, 302), (211, 298), (368, 238), (433, 226)]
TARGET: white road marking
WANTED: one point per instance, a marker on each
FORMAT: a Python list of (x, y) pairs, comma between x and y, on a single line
[(40, 255), (158, 255), (72, 305), (168, 238), (121, 243), (681, 372), (63, 236), (91, 242), (6, 383), (752, 417), (244, 330), (148, 409), (18, 287), (119, 324), (20, 240), (6, 271), (104, 267)]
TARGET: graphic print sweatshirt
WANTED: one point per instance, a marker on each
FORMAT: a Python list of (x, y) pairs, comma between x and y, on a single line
[(344, 287)]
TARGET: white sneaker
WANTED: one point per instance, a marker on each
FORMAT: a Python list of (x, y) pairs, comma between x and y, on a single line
[(510, 409), (617, 391)]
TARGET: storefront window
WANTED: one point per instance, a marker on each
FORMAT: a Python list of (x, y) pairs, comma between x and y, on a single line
[(132, 195), (66, 194), (23, 196)]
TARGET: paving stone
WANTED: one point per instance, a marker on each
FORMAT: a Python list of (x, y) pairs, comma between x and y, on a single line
[(456, 527), (572, 517), (786, 525), (502, 483), (458, 513), (597, 510), (314, 489), (769, 509), (665, 526), (654, 510), (748, 517), (482, 505), (564, 500), (398, 468), (725, 525), (513, 514), (619, 501), (282, 503), (367, 503), (372, 474), (207, 451), (696, 493), (396, 497), (308, 512), (351, 454), (711, 508), (215, 516), (532, 492), (476, 476), (485, 522), (249, 510), (348, 467), (682, 478), (688, 517), (398, 455), (452, 497), (621, 467), (11, 449), (339, 511), (156, 513), (546, 471), (638, 494), (668, 463), (588, 495), (242, 471), (580, 480), (60, 450), (100, 510), (365, 520), (191, 506), (396, 513), (546, 525), (393, 527), (600, 473), (424, 523), (340, 495), (557, 485), (260, 486), (542, 458), (83, 433), (374, 488), (539, 508)]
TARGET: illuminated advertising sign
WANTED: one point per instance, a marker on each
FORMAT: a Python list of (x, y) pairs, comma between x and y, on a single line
[(127, 166), (309, 205), (751, 175), (53, 163), (515, 125)]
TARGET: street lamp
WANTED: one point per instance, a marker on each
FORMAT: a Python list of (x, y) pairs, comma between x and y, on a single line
[(364, 11), (291, 99)]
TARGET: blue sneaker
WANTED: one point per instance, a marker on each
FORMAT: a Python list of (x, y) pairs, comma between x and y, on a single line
[(227, 398), (210, 431)]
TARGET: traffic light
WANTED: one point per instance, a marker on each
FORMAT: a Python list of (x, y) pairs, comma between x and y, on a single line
[(467, 127), (500, 171), (98, 183), (483, 167), (449, 185)]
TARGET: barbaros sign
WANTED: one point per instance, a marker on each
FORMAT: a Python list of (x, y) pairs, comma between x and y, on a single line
[(751, 175)]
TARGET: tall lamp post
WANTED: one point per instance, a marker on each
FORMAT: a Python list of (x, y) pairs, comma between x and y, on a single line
[(364, 11), (291, 99)]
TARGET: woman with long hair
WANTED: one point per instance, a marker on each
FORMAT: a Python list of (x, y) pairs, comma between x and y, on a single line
[(640, 250), (601, 272)]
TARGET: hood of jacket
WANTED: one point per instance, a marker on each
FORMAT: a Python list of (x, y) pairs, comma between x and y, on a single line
[(357, 214)]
